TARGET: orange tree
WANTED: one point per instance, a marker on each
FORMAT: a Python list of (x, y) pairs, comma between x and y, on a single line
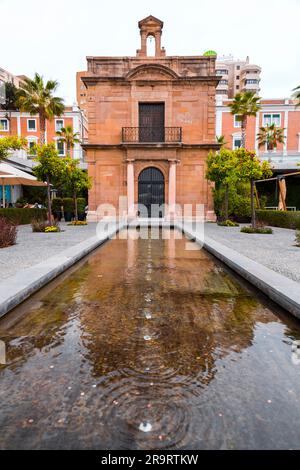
[(75, 180), (250, 169), (10, 143), (50, 168), (221, 169)]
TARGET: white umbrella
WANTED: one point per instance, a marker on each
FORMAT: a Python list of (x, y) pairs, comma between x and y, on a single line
[(10, 176)]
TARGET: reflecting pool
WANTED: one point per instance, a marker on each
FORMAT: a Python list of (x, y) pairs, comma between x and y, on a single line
[(146, 345)]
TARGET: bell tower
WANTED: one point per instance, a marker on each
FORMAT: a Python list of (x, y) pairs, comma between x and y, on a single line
[(151, 27)]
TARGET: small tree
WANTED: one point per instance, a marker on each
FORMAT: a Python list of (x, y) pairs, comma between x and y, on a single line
[(221, 140), (244, 105), (50, 169), (250, 168), (75, 180), (221, 169), (270, 135), (68, 137), (10, 143)]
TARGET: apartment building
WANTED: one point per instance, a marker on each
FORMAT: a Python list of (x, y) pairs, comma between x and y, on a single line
[(281, 112), (25, 125), (236, 76)]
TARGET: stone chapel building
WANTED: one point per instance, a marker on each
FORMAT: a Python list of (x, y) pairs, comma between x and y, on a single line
[(151, 126)]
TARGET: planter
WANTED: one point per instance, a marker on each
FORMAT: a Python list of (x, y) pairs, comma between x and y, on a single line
[(81, 216), (68, 216)]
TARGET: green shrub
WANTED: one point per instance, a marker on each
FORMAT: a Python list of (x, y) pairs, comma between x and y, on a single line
[(68, 204), (21, 202), (23, 216), (228, 223), (259, 230), (239, 203), (56, 204), (81, 203), (283, 219)]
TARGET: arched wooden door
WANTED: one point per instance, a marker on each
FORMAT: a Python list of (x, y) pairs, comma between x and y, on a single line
[(151, 189)]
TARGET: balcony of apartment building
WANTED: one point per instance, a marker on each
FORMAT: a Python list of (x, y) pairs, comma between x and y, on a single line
[(281, 160), (250, 78), (151, 129)]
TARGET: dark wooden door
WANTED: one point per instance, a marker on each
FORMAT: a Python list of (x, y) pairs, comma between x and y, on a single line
[(152, 122), (152, 190)]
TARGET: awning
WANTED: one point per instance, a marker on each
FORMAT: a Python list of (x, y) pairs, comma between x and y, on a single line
[(10, 176)]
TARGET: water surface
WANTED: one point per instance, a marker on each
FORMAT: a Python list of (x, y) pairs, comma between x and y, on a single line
[(148, 346)]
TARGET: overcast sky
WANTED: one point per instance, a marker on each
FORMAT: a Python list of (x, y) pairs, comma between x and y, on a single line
[(54, 37)]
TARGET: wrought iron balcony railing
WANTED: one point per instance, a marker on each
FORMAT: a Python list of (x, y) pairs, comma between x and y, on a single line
[(152, 134)]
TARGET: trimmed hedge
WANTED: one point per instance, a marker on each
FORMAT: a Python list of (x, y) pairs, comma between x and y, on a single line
[(23, 216), (283, 219)]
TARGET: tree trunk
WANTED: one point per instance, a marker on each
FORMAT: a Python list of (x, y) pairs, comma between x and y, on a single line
[(226, 201), (243, 129), (68, 150), (49, 201), (253, 221), (42, 129), (75, 206)]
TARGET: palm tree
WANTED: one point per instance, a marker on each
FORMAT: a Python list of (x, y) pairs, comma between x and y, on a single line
[(244, 105), (270, 135), (221, 140), (296, 94), (67, 136), (35, 97)]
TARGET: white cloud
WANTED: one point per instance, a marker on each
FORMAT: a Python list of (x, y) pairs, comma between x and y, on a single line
[(54, 37)]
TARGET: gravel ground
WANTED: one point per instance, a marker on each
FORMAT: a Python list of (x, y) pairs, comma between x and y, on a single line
[(33, 248), (277, 251)]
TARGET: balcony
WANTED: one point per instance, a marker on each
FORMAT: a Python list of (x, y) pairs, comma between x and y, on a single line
[(152, 135)]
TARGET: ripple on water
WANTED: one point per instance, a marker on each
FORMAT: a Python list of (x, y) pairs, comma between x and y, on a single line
[(153, 415)]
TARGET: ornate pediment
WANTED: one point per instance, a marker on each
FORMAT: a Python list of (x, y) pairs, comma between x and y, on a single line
[(151, 21), (151, 72)]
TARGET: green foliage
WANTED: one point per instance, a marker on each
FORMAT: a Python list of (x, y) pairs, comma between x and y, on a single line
[(245, 104), (36, 97), (81, 204), (221, 167), (50, 166), (297, 239), (11, 143), (68, 204), (68, 137), (23, 216), (249, 167), (238, 203), (10, 103), (39, 226), (75, 179), (228, 223), (283, 219), (271, 135), (57, 202), (259, 230), (221, 140)]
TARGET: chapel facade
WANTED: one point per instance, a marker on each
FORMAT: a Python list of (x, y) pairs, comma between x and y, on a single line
[(151, 126)]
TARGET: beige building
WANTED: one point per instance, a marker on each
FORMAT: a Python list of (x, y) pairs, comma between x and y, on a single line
[(236, 76)]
